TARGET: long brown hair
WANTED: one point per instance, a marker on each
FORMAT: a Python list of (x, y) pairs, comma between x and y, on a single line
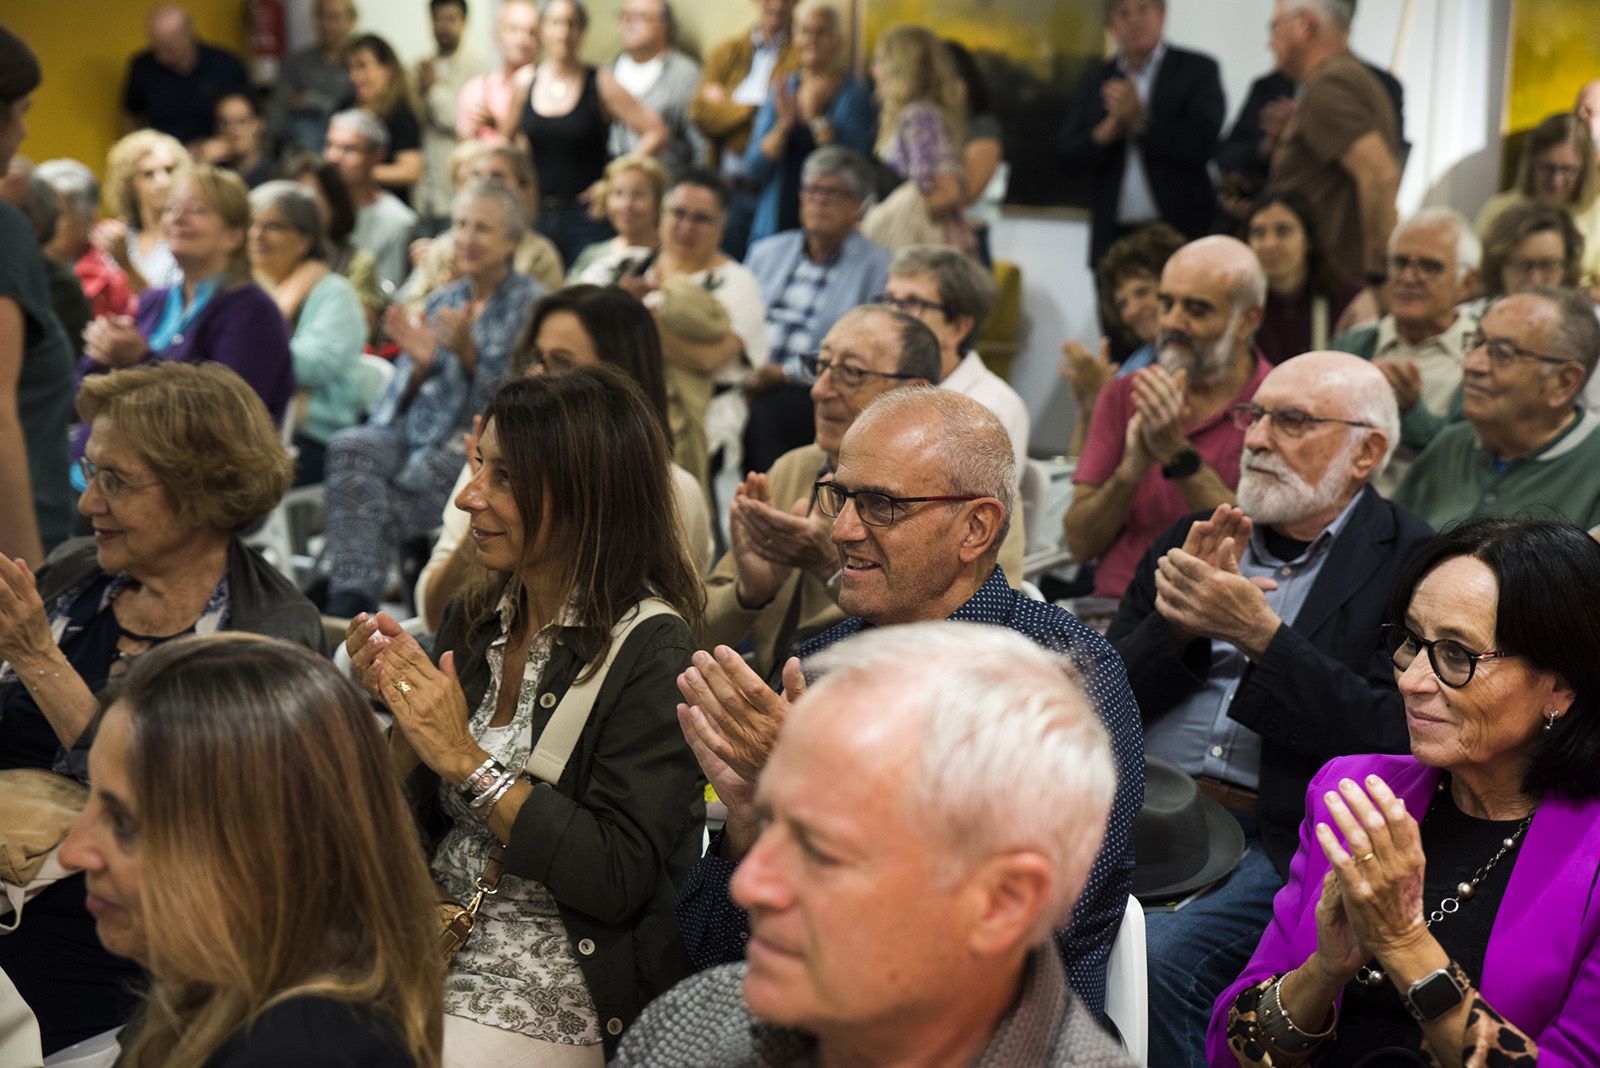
[(280, 858), (589, 462), (399, 89)]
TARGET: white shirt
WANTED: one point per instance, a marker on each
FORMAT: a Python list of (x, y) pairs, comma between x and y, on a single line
[(1137, 202), (752, 92), (1438, 359), (973, 379), (636, 77)]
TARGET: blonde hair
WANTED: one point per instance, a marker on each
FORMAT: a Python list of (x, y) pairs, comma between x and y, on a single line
[(226, 194), (649, 166), (122, 165), (917, 67), (282, 858), (203, 431)]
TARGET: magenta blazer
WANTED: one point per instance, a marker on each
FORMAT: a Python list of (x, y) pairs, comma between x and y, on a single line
[(1542, 968)]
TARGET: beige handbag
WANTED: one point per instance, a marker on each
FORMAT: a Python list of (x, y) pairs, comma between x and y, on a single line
[(37, 809), (546, 763)]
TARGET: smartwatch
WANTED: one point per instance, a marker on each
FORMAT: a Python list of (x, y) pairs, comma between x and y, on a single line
[(1435, 994), (1184, 463)]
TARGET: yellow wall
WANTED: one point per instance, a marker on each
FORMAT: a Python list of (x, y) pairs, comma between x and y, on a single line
[(1554, 50)]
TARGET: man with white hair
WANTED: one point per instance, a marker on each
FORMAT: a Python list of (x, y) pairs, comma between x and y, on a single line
[(357, 140), (1251, 640), (921, 503), (1341, 147), (1420, 343), (1161, 443), (900, 899)]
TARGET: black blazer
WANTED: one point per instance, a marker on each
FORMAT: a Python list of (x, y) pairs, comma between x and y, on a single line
[(1323, 688), (1185, 115), (624, 823)]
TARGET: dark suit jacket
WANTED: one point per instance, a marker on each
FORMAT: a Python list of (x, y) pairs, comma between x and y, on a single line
[(1185, 115), (1240, 151), (1322, 689)]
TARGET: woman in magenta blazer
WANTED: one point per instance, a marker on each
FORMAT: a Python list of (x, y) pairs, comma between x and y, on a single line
[(1444, 908)]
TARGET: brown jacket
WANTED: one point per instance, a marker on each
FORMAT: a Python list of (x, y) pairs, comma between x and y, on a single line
[(727, 125), (803, 605)]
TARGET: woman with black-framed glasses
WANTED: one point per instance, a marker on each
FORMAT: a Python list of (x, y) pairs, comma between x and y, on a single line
[(1440, 909)]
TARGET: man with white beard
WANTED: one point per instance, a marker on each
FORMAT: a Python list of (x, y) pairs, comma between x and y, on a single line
[(1161, 443), (1251, 641)]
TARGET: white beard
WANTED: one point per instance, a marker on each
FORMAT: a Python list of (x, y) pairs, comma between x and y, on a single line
[(1288, 498)]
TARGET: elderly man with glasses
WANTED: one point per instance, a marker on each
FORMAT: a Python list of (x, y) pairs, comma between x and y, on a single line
[(1250, 636), (779, 582), (1527, 442), (921, 503), (809, 278), (1432, 267)]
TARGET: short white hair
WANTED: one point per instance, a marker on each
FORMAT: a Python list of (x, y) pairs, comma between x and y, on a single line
[(1336, 13), (365, 125), (1013, 755), (1469, 250), (75, 184), (511, 205)]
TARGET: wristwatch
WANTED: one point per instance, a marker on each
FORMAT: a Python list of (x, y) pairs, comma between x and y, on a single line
[(1436, 993), (1184, 463)]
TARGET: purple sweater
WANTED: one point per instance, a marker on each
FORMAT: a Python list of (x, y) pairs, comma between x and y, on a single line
[(240, 328)]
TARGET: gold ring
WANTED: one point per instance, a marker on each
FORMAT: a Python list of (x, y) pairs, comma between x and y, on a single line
[(405, 687), (1359, 860)]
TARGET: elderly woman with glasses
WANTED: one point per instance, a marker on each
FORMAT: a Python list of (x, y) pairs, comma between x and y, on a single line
[(215, 312), (181, 458), (1559, 169), (1440, 909), (327, 324)]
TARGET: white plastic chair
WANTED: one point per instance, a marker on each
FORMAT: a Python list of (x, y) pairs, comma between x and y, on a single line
[(1127, 984)]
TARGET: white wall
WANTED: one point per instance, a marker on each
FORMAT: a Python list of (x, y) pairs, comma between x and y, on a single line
[(1449, 54)]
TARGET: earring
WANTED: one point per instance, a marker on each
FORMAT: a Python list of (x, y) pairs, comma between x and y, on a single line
[(1549, 719)]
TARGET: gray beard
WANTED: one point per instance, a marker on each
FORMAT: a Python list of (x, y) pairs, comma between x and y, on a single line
[(1206, 363)]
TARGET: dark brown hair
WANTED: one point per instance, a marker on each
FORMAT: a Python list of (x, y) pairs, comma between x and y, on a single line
[(586, 450)]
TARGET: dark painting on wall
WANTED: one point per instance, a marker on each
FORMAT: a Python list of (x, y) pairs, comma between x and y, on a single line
[(1032, 54)]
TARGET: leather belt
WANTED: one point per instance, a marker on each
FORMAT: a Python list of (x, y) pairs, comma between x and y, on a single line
[(1231, 797)]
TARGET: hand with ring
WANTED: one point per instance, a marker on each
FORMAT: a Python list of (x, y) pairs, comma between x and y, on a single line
[(1379, 866)]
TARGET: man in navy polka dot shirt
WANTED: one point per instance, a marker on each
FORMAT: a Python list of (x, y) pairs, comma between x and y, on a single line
[(921, 501)]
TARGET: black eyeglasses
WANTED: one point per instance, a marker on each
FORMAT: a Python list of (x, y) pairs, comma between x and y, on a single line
[(910, 305), (1293, 422), (1425, 266), (1453, 663), (844, 374), (1502, 351), (875, 509)]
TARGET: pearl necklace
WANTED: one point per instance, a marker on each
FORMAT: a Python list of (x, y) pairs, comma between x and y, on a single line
[(1372, 975)]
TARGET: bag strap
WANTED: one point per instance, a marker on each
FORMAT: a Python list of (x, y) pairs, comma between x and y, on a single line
[(560, 736)]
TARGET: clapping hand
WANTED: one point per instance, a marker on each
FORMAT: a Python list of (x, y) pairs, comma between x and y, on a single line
[(1406, 381), (428, 704), (1379, 866), (1201, 593), (731, 719), (114, 341), (415, 340), (452, 328), (1121, 101), (1163, 407), (24, 626), (1087, 372)]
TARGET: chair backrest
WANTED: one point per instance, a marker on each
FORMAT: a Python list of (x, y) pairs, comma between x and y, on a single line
[(373, 378), (101, 1051), (1045, 489), (1127, 988)]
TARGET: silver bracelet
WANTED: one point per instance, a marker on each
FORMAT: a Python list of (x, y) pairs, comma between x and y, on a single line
[(493, 798), (482, 777)]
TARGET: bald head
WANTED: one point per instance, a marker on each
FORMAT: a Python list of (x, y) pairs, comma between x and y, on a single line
[(1230, 262), (172, 39), (1588, 108), (1344, 386)]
